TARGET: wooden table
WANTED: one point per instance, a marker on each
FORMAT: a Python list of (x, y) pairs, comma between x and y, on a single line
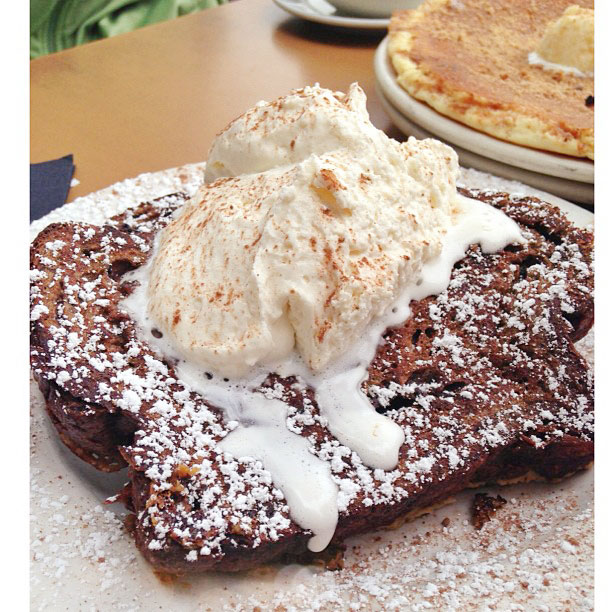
[(155, 98)]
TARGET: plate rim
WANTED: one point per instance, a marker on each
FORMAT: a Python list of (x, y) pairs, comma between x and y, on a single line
[(362, 23), (468, 138)]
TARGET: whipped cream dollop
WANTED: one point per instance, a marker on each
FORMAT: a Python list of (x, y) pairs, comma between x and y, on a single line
[(307, 121), (568, 44), (295, 262)]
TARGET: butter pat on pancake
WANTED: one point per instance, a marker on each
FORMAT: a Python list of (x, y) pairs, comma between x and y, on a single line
[(570, 41)]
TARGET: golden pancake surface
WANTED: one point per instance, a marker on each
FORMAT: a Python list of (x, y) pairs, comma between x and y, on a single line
[(469, 60)]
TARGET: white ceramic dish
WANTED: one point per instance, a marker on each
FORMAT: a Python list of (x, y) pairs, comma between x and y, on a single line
[(374, 8), (313, 10), (455, 133), (537, 554)]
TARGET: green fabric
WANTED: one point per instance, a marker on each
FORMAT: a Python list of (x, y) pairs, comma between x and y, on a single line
[(60, 24)]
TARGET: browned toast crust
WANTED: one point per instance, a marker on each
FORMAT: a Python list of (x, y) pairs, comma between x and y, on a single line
[(484, 379)]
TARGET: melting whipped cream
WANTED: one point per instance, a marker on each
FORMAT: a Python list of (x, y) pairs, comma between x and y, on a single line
[(307, 121), (300, 256), (298, 268)]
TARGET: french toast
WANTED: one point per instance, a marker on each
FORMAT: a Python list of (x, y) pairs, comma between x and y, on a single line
[(483, 379)]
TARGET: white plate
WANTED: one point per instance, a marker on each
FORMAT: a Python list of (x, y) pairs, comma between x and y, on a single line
[(575, 191), (453, 132), (537, 554), (309, 9)]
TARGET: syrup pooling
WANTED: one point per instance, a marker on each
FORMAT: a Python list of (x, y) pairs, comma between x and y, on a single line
[(298, 270)]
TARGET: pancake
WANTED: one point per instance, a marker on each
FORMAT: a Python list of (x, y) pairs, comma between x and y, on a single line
[(469, 60)]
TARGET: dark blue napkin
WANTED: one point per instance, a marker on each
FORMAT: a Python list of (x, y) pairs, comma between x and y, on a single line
[(49, 185)]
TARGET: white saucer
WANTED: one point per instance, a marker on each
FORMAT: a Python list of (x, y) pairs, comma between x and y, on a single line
[(455, 133), (309, 9)]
